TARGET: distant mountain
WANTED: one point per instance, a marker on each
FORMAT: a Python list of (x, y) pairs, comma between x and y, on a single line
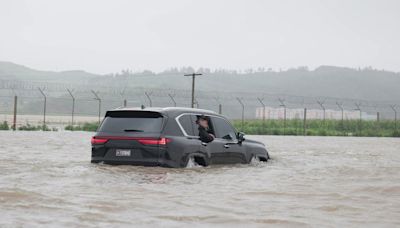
[(12, 71), (325, 81)]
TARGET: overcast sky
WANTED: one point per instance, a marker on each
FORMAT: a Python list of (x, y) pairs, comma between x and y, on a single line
[(107, 36)]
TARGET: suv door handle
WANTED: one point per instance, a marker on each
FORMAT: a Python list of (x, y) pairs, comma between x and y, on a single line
[(226, 146)]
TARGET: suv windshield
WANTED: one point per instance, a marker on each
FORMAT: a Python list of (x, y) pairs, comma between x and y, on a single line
[(132, 121)]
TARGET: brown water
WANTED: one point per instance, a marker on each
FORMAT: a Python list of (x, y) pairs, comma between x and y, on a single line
[(46, 179)]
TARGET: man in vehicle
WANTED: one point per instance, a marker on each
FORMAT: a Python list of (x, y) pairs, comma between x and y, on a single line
[(204, 130)]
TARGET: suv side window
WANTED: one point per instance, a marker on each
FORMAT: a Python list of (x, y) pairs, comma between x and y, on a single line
[(187, 124), (223, 129), (194, 125)]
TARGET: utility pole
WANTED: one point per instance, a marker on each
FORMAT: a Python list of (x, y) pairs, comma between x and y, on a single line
[(241, 103), (193, 84), (263, 116), (282, 101), (99, 100), (44, 108), (172, 98), (73, 109), (149, 98)]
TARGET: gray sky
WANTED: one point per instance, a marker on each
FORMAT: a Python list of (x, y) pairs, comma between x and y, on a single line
[(105, 36)]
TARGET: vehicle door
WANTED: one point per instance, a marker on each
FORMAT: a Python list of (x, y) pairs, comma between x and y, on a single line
[(192, 144), (225, 148), (204, 147)]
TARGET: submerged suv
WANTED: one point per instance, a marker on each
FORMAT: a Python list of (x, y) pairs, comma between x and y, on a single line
[(169, 137)]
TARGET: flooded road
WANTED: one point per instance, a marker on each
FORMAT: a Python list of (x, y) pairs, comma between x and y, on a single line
[(46, 179)]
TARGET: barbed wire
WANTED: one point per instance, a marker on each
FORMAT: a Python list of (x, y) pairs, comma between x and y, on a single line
[(114, 96)]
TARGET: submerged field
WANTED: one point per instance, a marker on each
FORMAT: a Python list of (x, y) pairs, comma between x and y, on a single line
[(48, 181)]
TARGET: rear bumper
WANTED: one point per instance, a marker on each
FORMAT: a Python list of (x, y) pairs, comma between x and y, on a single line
[(142, 162), (137, 162)]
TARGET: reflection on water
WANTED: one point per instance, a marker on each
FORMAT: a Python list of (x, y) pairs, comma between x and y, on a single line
[(47, 180)]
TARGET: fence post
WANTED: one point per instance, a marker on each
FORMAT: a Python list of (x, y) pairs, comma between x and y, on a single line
[(122, 93), (305, 122), (284, 114), (378, 126), (340, 105), (99, 100), (358, 105), (73, 109), (14, 127), (263, 117), (44, 108), (241, 103), (393, 107), (321, 103), (172, 99), (149, 98), (219, 105)]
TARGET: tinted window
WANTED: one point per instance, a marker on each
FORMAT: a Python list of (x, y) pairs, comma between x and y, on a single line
[(195, 126), (187, 124), (223, 129), (125, 121)]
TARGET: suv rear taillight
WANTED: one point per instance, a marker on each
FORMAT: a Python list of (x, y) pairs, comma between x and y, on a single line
[(145, 141), (97, 141), (150, 141)]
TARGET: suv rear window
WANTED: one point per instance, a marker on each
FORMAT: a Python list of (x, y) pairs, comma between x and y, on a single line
[(132, 121), (188, 123)]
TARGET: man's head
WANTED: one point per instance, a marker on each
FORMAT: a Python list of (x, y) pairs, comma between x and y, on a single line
[(202, 121)]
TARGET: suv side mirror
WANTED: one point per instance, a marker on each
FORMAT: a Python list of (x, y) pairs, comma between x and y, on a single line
[(240, 137)]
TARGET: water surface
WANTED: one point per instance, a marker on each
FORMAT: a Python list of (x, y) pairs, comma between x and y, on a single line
[(46, 179)]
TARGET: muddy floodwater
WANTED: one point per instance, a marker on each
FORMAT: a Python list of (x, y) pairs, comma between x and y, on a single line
[(47, 180)]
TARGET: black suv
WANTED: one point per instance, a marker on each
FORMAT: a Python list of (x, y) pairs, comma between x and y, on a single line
[(169, 137)]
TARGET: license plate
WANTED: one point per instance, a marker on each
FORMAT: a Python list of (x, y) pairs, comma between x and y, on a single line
[(122, 153)]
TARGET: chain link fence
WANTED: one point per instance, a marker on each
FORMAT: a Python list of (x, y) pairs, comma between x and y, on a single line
[(63, 104)]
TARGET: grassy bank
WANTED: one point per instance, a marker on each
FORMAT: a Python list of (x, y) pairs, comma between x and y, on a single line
[(26, 127), (83, 127), (384, 128)]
